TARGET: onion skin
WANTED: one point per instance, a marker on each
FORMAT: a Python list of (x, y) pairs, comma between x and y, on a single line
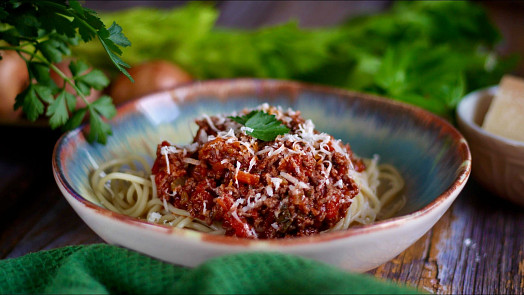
[(14, 78), (149, 77)]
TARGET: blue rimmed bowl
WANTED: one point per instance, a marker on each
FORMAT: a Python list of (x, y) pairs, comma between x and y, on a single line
[(431, 155)]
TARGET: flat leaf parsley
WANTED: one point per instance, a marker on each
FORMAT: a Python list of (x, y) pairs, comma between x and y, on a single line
[(42, 32), (262, 125)]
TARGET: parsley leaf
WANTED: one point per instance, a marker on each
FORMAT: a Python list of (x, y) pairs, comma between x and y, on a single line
[(76, 119), (42, 32), (111, 39), (57, 110), (40, 72), (242, 120), (265, 126), (104, 106), (30, 103), (97, 125)]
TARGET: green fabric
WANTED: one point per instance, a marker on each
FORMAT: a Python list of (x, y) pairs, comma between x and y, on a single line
[(104, 269)]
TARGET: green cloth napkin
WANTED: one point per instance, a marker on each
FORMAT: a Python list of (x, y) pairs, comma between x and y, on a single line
[(104, 269)]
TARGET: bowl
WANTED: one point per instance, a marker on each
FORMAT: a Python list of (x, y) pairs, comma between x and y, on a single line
[(498, 161), (432, 156)]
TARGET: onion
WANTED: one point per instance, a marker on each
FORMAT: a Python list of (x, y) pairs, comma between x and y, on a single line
[(14, 78), (149, 77)]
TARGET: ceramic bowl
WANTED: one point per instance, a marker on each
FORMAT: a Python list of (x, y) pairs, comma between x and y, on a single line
[(498, 161), (432, 156)]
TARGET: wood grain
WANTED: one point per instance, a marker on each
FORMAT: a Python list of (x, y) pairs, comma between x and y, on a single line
[(477, 247)]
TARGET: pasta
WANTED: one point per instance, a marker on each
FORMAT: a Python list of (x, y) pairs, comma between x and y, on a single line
[(120, 187), (229, 182)]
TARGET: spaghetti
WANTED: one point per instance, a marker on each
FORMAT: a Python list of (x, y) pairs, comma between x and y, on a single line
[(227, 182)]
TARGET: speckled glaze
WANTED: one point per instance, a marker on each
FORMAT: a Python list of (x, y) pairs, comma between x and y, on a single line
[(499, 161), (432, 156)]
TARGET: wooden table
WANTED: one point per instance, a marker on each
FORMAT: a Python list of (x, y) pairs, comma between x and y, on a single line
[(476, 248)]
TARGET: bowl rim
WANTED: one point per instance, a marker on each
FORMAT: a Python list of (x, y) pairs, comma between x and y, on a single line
[(474, 98), (461, 177)]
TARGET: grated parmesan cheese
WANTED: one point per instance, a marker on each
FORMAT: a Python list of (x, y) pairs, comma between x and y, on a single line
[(269, 191), (192, 147), (235, 215), (321, 148), (169, 149), (264, 150), (251, 163), (154, 217), (257, 202), (236, 173), (191, 161), (277, 151), (210, 123), (276, 182), (293, 180), (245, 129), (237, 202), (327, 172), (230, 133)]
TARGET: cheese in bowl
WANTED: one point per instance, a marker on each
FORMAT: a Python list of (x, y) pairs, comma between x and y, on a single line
[(505, 116)]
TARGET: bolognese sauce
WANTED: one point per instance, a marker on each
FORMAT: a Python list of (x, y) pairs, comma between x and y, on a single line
[(298, 184)]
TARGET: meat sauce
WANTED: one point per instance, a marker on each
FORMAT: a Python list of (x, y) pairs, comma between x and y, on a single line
[(297, 185)]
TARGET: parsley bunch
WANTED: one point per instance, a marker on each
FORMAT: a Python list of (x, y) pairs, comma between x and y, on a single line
[(426, 53), (42, 32)]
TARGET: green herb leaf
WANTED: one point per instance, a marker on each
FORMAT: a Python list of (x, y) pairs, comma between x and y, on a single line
[(76, 119), (51, 50), (57, 110), (78, 67), (117, 61), (99, 130), (71, 102), (11, 36), (243, 119), (94, 79), (265, 126), (44, 30), (76, 6), (40, 71), (83, 29), (117, 37), (31, 105), (92, 19), (45, 93), (104, 106), (3, 13)]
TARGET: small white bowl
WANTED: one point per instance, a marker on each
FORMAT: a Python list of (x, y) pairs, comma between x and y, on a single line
[(432, 156), (498, 162)]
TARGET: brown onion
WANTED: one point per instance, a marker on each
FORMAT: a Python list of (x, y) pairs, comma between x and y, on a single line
[(14, 78), (149, 77)]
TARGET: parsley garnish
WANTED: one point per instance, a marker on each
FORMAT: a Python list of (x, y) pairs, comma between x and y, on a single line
[(42, 32), (265, 126)]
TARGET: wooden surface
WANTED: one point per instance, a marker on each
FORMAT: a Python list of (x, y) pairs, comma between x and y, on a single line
[(476, 248)]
